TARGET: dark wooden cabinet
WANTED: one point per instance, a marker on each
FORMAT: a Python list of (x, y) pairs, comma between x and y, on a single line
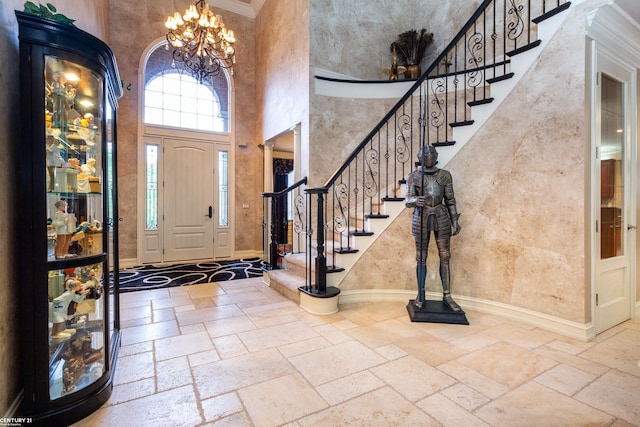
[(611, 234), (68, 207), (607, 178)]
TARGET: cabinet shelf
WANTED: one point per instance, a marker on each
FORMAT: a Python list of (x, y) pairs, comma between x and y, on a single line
[(73, 193), (61, 264)]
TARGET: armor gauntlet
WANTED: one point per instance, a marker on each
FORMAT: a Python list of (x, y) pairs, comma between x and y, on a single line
[(411, 197)]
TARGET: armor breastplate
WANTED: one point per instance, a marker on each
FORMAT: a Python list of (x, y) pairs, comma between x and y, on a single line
[(433, 191)]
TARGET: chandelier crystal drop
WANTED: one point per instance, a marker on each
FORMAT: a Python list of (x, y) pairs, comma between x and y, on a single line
[(201, 41)]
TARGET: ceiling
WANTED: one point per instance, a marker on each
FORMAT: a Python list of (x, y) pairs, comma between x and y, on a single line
[(251, 8), (248, 8), (631, 7)]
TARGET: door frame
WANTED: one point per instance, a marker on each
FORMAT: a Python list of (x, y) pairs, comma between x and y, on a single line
[(611, 34), (146, 131), (157, 135)]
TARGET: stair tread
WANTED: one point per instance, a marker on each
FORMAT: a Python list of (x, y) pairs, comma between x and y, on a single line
[(524, 48), (287, 279), (361, 233), (500, 78), (480, 102), (462, 123), (551, 13), (443, 144)]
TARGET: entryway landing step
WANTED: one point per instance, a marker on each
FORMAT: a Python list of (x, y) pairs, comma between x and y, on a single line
[(285, 283)]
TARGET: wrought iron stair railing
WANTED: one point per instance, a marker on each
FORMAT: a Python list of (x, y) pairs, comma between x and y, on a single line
[(284, 224), (440, 100)]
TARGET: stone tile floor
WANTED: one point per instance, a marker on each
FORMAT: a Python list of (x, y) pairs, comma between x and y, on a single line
[(239, 354)]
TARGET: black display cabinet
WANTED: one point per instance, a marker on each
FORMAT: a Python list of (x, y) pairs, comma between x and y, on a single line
[(68, 220)]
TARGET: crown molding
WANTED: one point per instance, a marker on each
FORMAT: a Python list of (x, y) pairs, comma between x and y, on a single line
[(235, 6), (257, 5), (613, 28)]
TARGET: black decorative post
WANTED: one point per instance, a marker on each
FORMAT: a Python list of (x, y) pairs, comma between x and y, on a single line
[(320, 290), (321, 260), (273, 245)]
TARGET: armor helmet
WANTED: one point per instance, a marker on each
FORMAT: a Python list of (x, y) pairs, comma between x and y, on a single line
[(428, 156)]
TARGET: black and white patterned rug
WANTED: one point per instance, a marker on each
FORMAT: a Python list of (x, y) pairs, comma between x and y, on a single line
[(164, 276)]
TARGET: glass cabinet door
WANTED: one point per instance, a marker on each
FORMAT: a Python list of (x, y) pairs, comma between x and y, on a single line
[(112, 221), (76, 317), (75, 224)]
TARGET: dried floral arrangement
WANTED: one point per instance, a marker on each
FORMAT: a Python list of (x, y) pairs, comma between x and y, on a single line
[(411, 46)]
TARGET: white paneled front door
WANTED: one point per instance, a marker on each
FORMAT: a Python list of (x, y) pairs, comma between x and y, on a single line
[(188, 200)]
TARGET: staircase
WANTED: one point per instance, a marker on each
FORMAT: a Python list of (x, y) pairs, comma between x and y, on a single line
[(454, 97)]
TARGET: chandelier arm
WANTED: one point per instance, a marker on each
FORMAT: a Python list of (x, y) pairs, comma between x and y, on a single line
[(205, 50)]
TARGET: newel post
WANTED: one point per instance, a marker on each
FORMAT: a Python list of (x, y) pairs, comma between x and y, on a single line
[(321, 259), (273, 245), (320, 264)]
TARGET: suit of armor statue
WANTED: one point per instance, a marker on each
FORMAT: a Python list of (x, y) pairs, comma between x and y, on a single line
[(430, 193)]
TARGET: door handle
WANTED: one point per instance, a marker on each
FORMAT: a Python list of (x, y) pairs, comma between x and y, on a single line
[(210, 213), (631, 227)]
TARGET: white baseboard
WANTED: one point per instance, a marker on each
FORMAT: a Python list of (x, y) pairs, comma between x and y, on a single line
[(128, 262), (132, 262), (247, 254), (579, 331)]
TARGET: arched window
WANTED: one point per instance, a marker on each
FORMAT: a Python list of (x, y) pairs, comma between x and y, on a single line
[(174, 98)]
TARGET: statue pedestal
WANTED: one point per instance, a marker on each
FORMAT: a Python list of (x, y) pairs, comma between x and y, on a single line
[(435, 312)]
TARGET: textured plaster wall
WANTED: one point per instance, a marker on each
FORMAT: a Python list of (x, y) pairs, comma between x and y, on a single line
[(91, 16), (353, 37), (282, 64), (128, 49), (520, 185)]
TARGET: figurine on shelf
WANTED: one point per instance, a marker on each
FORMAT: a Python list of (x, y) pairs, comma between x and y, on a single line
[(59, 100), (74, 292), (82, 182), (64, 96), (79, 355), (48, 117), (53, 160), (85, 227), (92, 285), (85, 129), (74, 164), (395, 69), (73, 173), (89, 169), (65, 225)]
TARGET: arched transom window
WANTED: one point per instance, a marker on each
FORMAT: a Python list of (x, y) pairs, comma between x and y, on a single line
[(174, 98)]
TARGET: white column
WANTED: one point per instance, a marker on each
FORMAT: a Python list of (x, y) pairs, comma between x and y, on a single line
[(268, 188), (268, 166), (297, 152)]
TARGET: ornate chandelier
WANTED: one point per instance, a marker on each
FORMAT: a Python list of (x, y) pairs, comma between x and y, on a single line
[(201, 41)]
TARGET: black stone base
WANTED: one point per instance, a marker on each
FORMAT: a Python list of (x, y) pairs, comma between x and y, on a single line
[(435, 312)]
